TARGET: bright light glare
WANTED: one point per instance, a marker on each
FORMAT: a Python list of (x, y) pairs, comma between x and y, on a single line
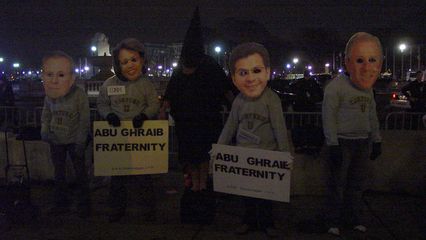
[(402, 47), (217, 49), (93, 48), (295, 60)]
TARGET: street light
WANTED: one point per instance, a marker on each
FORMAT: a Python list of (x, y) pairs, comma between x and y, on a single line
[(218, 49), (327, 68), (402, 47), (295, 60), (93, 49), (16, 65), (1, 59)]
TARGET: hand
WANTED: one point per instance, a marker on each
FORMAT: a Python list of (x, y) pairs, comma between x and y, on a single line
[(113, 120), (376, 150), (138, 120), (162, 115), (335, 154)]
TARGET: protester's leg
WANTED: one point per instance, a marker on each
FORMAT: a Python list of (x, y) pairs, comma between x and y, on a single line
[(357, 176), (59, 155), (77, 157), (195, 174), (204, 173), (250, 214), (147, 196), (118, 197), (337, 185), (264, 213)]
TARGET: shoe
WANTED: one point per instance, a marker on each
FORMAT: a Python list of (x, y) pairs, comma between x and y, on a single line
[(243, 229), (334, 230), (58, 211), (115, 217), (272, 232), (360, 228)]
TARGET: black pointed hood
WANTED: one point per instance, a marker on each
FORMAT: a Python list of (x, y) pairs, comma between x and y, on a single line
[(193, 46)]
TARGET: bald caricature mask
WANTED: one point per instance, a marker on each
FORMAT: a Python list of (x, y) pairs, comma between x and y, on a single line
[(57, 77), (364, 63)]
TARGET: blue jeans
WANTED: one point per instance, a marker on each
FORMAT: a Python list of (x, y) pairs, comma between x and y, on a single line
[(346, 182), (258, 213), (59, 156)]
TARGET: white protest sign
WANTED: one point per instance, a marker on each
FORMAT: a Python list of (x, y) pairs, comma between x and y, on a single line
[(126, 150), (251, 172)]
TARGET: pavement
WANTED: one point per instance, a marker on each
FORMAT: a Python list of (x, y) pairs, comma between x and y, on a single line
[(388, 216)]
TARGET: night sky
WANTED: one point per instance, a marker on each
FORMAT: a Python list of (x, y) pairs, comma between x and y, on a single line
[(30, 28)]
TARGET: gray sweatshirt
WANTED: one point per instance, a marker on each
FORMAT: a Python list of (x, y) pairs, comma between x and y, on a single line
[(348, 112), (256, 123), (66, 119), (135, 97)]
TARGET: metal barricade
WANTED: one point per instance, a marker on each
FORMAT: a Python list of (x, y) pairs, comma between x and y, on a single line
[(404, 121)]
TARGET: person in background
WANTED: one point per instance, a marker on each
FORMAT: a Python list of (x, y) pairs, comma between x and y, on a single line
[(256, 120), (415, 91), (306, 136), (351, 127), (137, 102), (307, 93), (65, 123), (7, 99)]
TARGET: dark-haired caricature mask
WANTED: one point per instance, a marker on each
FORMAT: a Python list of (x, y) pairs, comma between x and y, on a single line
[(131, 64)]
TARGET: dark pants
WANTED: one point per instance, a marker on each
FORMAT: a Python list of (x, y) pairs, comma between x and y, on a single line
[(347, 182), (258, 213), (59, 155), (118, 192)]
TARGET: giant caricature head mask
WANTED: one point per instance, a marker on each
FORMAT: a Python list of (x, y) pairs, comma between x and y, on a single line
[(57, 76), (363, 59), (250, 68), (129, 59)]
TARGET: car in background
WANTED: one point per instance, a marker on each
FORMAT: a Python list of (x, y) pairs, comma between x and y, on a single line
[(322, 79), (282, 88), (400, 101)]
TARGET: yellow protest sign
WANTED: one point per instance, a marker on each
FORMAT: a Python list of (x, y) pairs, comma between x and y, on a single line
[(126, 150)]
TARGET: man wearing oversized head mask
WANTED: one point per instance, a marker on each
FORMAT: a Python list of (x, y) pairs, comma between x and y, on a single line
[(65, 123), (350, 128)]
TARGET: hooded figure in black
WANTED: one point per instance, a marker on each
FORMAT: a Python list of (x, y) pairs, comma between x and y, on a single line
[(7, 98), (195, 94)]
